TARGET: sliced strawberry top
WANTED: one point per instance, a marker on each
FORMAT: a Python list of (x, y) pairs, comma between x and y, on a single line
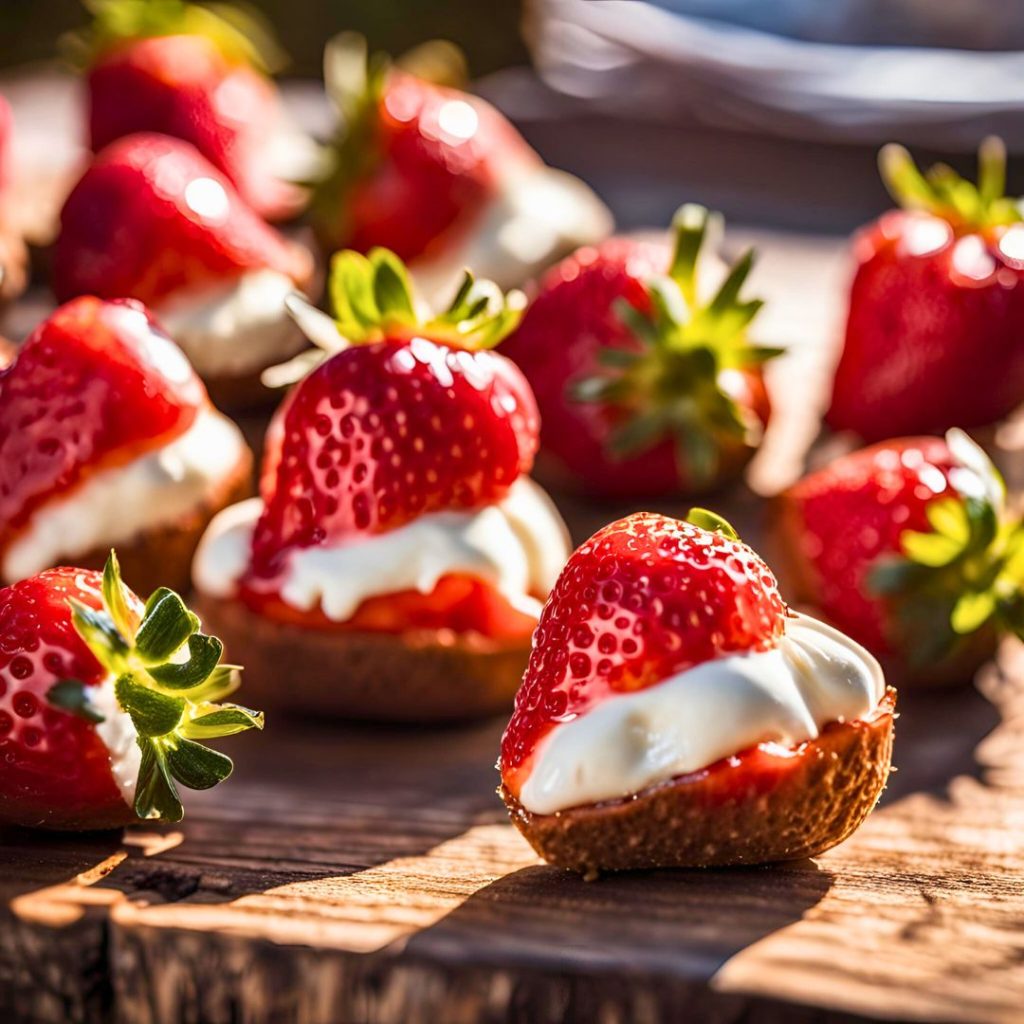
[(152, 217), (384, 432), (646, 597), (51, 758), (94, 386), (855, 511), (184, 86)]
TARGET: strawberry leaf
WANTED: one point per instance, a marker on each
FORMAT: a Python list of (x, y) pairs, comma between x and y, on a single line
[(156, 796), (204, 654), (100, 634), (712, 522), (221, 721), (72, 695), (166, 625), (973, 610), (117, 598), (196, 766)]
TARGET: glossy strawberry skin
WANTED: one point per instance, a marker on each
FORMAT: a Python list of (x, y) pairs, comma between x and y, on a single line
[(183, 86), (565, 327), (382, 433), (54, 768), (933, 331), (94, 386), (837, 523), (646, 597), (435, 164), (152, 217)]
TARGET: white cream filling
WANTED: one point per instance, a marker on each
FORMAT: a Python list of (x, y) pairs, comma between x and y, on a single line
[(235, 327), (518, 546), (786, 695), (115, 505), (537, 216), (118, 734)]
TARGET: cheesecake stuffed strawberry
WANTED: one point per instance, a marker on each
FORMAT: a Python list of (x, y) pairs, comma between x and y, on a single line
[(198, 73), (395, 562), (676, 714), (152, 219), (107, 438), (932, 334), (647, 384), (909, 547), (441, 178), (107, 703)]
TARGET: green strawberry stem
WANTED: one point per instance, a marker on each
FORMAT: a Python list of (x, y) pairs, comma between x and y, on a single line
[(941, 191), (373, 299), (240, 33), (712, 522), (169, 680), (669, 384), (967, 571)]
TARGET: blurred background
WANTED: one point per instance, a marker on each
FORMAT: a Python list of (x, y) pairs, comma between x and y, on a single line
[(771, 112)]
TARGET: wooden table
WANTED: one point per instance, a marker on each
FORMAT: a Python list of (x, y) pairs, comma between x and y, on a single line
[(349, 875)]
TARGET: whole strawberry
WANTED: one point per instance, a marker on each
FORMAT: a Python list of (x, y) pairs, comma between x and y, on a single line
[(151, 218), (195, 73), (644, 388), (646, 597), (94, 386), (908, 547), (105, 703), (404, 417), (932, 335)]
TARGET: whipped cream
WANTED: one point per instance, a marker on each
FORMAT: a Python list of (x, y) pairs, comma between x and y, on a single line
[(235, 327), (117, 731), (786, 695), (518, 546), (537, 216), (114, 505)]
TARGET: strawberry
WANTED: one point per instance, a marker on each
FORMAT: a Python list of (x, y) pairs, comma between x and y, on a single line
[(95, 688), (415, 162), (643, 388), (151, 218), (908, 547), (646, 597), (94, 386), (185, 71), (935, 307), (406, 417)]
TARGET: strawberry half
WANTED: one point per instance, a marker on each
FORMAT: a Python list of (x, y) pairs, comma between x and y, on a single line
[(195, 74), (404, 417), (644, 598), (95, 385), (103, 702), (151, 218), (936, 304), (908, 547), (414, 162), (643, 387)]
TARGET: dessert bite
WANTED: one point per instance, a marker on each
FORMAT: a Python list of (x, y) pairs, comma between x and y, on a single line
[(441, 178), (151, 219), (107, 438), (647, 383), (676, 714), (932, 334), (201, 74), (106, 703), (909, 547), (395, 562)]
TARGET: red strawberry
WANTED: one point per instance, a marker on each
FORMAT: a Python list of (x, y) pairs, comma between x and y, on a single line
[(415, 162), (94, 386), (69, 733), (646, 597), (151, 217), (907, 547), (936, 305), (181, 70), (643, 389), (413, 418)]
